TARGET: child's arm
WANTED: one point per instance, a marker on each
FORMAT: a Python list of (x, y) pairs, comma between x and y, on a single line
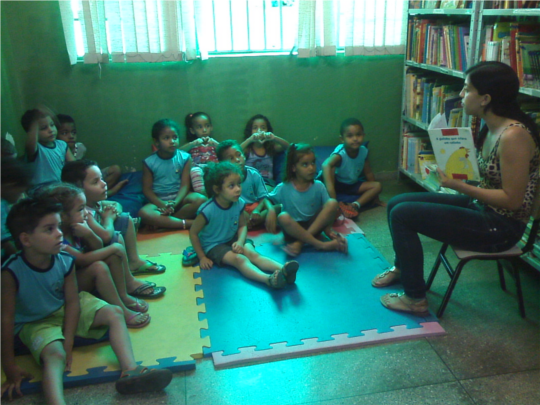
[(86, 233), (280, 144), (106, 230), (14, 373), (253, 138), (271, 217), (329, 172), (148, 191), (69, 155), (84, 259), (196, 227), (72, 310), (31, 145), (185, 183), (190, 145), (368, 172)]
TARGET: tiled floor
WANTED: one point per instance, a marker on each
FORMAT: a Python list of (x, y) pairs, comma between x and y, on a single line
[(489, 356)]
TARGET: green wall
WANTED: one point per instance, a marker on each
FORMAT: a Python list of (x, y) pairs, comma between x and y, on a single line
[(115, 105)]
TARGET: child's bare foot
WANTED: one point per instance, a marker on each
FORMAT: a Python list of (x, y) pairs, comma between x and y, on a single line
[(380, 203), (135, 304), (293, 249), (136, 319)]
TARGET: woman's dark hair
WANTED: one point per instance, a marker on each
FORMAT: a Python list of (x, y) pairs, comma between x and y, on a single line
[(501, 82), (188, 122), (294, 154), (248, 131), (348, 122), (161, 125), (216, 173)]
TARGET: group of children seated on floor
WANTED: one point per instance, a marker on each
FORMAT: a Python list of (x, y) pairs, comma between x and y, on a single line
[(65, 241)]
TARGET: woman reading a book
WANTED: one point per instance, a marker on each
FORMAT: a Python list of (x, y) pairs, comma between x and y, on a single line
[(489, 218)]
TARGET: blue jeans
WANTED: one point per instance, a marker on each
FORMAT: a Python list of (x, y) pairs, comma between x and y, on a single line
[(452, 219)]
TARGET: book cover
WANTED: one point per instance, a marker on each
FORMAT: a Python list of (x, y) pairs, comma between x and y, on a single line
[(455, 152)]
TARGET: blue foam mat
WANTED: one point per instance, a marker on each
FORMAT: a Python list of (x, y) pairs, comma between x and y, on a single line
[(332, 295)]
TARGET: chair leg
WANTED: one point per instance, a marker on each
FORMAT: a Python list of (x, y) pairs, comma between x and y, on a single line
[(451, 286), (436, 266), (519, 292), (501, 275)]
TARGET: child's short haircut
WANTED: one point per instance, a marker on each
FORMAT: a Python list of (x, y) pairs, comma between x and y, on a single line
[(223, 146), (65, 119), (35, 114), (348, 122), (63, 193), (216, 173), (16, 173), (8, 149), (188, 122), (75, 172), (161, 125), (294, 154), (26, 214)]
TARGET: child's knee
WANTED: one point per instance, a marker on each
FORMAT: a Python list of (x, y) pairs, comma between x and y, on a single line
[(111, 314), (284, 219), (331, 204), (53, 352), (99, 269)]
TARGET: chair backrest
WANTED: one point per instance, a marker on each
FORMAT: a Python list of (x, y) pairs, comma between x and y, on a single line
[(535, 214)]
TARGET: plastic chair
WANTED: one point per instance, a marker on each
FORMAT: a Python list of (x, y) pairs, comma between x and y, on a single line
[(512, 256)]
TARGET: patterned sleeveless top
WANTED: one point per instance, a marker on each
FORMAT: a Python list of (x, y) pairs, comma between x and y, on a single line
[(490, 173)]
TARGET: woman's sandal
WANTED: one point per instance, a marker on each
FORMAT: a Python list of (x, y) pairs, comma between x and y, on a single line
[(149, 267), (387, 278), (139, 306), (142, 379), (133, 324), (348, 210), (139, 291), (403, 303)]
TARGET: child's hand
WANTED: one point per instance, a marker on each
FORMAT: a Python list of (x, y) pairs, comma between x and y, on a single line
[(68, 348), (212, 141), (14, 378), (267, 137), (81, 229), (444, 179), (109, 211), (205, 263), (255, 218), (237, 248), (271, 222), (256, 137)]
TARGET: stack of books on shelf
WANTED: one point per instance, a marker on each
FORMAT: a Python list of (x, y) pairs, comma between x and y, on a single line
[(438, 44), (498, 4), (426, 95), (429, 4), (517, 44), (415, 144)]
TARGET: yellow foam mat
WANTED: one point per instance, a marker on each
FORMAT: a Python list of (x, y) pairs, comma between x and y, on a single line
[(174, 330)]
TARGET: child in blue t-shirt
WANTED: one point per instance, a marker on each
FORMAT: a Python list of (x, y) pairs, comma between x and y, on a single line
[(218, 234), (166, 181), (41, 306), (254, 191), (307, 210), (348, 171), (43, 150)]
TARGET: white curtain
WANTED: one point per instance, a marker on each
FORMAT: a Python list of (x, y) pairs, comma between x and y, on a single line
[(135, 32), (363, 27)]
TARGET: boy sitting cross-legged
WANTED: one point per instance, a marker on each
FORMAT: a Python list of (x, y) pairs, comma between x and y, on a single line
[(40, 304)]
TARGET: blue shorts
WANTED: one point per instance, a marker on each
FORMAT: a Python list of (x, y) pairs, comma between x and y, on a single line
[(121, 224), (343, 188)]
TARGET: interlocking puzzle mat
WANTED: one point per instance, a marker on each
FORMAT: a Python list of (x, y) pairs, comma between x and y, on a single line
[(172, 340), (344, 226), (331, 305)]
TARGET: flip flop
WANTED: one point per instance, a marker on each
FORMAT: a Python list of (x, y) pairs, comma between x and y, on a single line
[(146, 268), (138, 292), (139, 306), (142, 379), (136, 325), (189, 257), (348, 210)]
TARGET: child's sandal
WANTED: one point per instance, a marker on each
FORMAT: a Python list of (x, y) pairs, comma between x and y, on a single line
[(349, 211), (142, 379)]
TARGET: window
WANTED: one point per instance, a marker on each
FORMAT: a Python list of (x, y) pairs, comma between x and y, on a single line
[(154, 30)]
